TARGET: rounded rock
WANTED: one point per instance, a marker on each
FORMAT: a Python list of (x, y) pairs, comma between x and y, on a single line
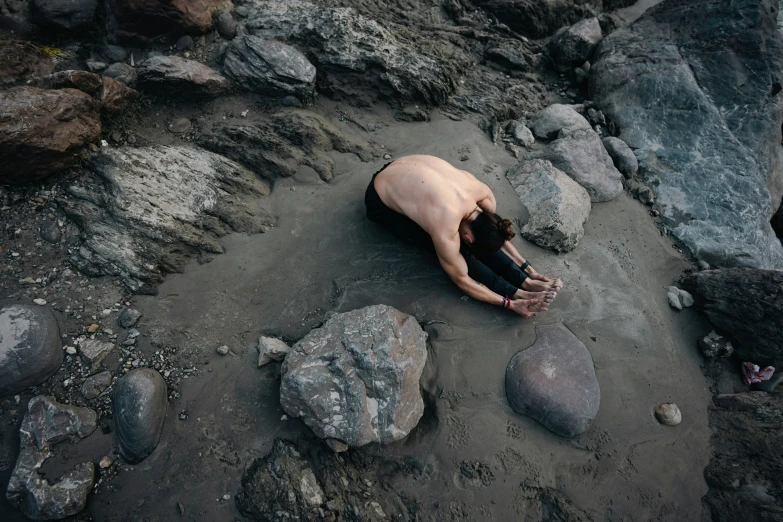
[(30, 347), (51, 233), (668, 414), (122, 72), (226, 26), (140, 405), (185, 43)]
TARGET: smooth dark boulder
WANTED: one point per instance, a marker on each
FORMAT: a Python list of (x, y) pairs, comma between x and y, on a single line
[(226, 26), (62, 14), (573, 46), (692, 87), (180, 77), (554, 382), (122, 72), (140, 404), (748, 304), (140, 21), (30, 347)]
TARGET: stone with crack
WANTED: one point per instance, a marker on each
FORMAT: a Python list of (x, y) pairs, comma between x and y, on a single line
[(355, 380), (95, 385), (45, 424), (93, 352)]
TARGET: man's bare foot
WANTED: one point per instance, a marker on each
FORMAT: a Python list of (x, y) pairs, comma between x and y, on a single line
[(532, 284), (544, 298)]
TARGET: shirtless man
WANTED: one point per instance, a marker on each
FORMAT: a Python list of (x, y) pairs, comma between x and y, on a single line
[(428, 202)]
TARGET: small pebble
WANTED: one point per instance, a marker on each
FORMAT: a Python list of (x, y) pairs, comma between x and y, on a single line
[(668, 414), (387, 156), (70, 350), (222, 350), (93, 328), (105, 462), (40, 302)]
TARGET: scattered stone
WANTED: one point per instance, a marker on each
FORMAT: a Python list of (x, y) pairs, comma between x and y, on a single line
[(668, 414), (116, 96), (554, 382), (141, 21), (180, 125), (105, 462), (70, 350), (355, 380), (39, 301), (175, 76), (30, 347), (51, 233), (93, 352), (185, 43), (93, 328), (62, 15), (226, 26), (622, 155), (574, 45), (222, 350), (87, 82), (139, 406), (557, 205), (45, 424), (128, 318), (674, 299), (521, 134), (95, 385), (95, 65), (291, 101), (271, 349), (42, 130), (269, 67), (557, 119), (122, 72), (115, 53), (715, 345)]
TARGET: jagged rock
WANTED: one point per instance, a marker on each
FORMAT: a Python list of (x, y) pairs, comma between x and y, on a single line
[(622, 156), (84, 81), (668, 414), (179, 77), (411, 114), (574, 45), (557, 205), (355, 380), (142, 20), (341, 41), (691, 86), (21, 60), (128, 317), (548, 123), (30, 347), (42, 130), (93, 352), (748, 304), (116, 96), (122, 72), (271, 349), (715, 345), (226, 26), (553, 381), (508, 58), (95, 385), (536, 18), (269, 67), (278, 145), (582, 156), (45, 424), (146, 210), (521, 134), (139, 405), (62, 14)]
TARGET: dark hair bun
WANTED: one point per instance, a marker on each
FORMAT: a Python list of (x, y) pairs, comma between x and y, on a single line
[(505, 229)]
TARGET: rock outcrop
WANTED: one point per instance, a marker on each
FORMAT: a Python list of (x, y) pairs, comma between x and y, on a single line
[(180, 77), (144, 211), (30, 347), (42, 131), (46, 423), (355, 380), (139, 405), (140, 21), (536, 18), (554, 382), (65, 15), (557, 205), (692, 87), (748, 304)]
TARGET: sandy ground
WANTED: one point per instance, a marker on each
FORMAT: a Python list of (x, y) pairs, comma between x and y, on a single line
[(325, 256)]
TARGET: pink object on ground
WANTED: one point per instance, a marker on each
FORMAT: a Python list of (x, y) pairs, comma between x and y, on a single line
[(753, 374)]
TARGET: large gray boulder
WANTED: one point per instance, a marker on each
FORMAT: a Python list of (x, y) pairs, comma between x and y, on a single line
[(30, 347), (139, 405), (554, 382), (748, 304), (341, 41), (573, 46), (355, 380), (557, 205), (547, 123), (46, 423), (147, 210), (269, 67), (622, 155), (180, 77), (582, 156), (62, 14), (693, 86)]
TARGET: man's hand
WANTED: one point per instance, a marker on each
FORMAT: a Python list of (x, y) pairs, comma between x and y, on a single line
[(523, 307)]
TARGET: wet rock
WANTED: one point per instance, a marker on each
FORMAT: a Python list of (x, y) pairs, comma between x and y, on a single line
[(84, 81), (748, 304), (536, 18), (116, 96), (45, 424), (51, 233), (142, 20), (548, 123), (226, 26), (139, 406), (95, 385), (93, 352), (180, 77), (276, 146), (135, 190), (128, 318), (574, 45), (622, 156), (554, 382), (62, 14), (179, 125), (115, 53), (668, 414), (693, 95), (715, 345), (342, 41), (42, 130), (271, 349), (185, 43), (582, 156), (30, 347), (21, 60), (355, 380), (122, 72), (269, 67), (557, 205), (521, 134)]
